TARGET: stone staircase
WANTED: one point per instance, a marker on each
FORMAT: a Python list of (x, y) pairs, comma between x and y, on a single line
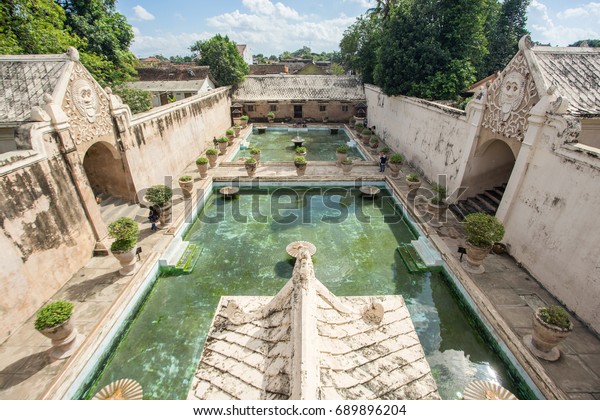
[(113, 208), (486, 202)]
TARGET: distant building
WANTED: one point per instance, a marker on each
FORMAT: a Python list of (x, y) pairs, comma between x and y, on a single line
[(245, 52), (264, 69), (172, 83)]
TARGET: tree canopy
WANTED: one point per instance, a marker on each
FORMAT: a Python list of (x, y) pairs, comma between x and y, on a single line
[(430, 48), (226, 64)]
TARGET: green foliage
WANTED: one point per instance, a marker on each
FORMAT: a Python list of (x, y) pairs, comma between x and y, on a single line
[(300, 150), (250, 162), (201, 161), (359, 126), (244, 118), (342, 149), (159, 194), (229, 131), (386, 149), (300, 161), (226, 64), (593, 43), (555, 315), (255, 151), (186, 178), (213, 152), (366, 132), (483, 230), (271, 115), (412, 177), (53, 314), (441, 193), (347, 161), (125, 231), (359, 46), (374, 140), (396, 158), (222, 140), (337, 69), (138, 100)]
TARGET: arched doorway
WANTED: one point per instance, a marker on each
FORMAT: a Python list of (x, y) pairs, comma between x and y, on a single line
[(107, 172), (486, 177)]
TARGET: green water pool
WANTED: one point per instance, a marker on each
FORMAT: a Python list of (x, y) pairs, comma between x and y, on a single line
[(276, 145), (243, 244)]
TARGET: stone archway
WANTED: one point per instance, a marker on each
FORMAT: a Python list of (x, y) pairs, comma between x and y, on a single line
[(107, 172), (491, 166)]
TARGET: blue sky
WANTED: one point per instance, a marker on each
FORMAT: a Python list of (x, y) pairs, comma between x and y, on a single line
[(273, 26)]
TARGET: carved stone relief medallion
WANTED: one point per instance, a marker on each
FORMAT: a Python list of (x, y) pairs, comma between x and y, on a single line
[(86, 99), (511, 93)]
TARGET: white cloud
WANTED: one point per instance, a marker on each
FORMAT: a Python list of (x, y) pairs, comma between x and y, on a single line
[(267, 7), (166, 44), (541, 24), (142, 14), (367, 4)]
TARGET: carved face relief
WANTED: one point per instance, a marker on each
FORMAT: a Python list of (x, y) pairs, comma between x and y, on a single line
[(85, 98), (511, 93)]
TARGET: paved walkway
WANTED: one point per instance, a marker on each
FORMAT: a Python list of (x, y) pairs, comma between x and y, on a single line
[(506, 294)]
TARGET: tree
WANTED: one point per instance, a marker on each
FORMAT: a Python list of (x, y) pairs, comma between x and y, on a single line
[(226, 64), (359, 45), (38, 27), (337, 70), (505, 35), (138, 100), (594, 43)]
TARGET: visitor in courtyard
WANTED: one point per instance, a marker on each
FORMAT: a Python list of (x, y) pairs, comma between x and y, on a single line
[(382, 161), (153, 216)]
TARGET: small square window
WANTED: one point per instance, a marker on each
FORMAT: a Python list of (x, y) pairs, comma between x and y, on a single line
[(250, 108), (322, 108), (273, 108), (344, 108)]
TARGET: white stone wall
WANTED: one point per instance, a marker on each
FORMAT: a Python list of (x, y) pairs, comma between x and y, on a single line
[(431, 137), (162, 142), (552, 225)]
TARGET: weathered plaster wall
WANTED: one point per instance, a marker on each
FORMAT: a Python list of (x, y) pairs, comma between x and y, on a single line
[(431, 137), (490, 167), (107, 172), (334, 110), (44, 237), (162, 142), (552, 227)]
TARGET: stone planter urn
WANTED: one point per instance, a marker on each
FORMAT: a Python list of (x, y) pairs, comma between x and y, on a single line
[(394, 169), (413, 185), (165, 214), (438, 211), (244, 122), (212, 160), (256, 157), (186, 186), (250, 167), (346, 166), (202, 169), (339, 158), (237, 130), (223, 147), (300, 169), (475, 257), (366, 139), (546, 337), (128, 261), (230, 138), (65, 339)]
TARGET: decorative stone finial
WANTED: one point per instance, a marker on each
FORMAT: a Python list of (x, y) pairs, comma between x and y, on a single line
[(73, 54), (38, 114), (108, 90), (525, 43), (48, 98)]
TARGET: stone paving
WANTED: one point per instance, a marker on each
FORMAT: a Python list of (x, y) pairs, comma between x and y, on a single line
[(505, 294)]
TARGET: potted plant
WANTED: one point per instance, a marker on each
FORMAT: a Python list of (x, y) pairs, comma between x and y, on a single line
[(244, 120), (53, 320), (250, 165), (229, 133), (202, 165), (301, 151), (160, 195), (222, 142), (551, 325), (211, 154), (271, 117), (414, 182), (125, 232), (366, 136), (341, 153), (437, 204), (255, 154), (374, 142), (186, 183), (236, 129), (359, 127), (386, 150), (394, 163), (346, 165), (300, 164), (483, 231)]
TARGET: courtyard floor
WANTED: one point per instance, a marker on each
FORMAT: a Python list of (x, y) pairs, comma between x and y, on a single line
[(506, 294)]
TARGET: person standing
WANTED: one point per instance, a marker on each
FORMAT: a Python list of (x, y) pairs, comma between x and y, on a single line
[(382, 161)]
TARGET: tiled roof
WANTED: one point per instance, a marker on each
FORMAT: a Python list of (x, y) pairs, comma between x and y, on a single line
[(168, 86), (24, 79), (306, 343), (262, 69), (576, 74), (291, 87)]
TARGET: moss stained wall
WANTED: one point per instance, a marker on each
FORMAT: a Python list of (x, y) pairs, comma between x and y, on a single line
[(44, 236)]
